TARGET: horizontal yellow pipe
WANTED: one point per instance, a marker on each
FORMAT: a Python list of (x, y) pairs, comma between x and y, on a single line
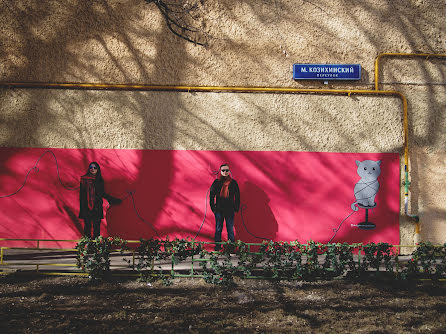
[(237, 89), (128, 87), (221, 89)]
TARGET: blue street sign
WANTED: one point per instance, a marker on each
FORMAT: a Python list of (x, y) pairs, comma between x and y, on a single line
[(326, 72)]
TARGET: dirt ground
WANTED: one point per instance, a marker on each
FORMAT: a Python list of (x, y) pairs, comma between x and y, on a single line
[(55, 304)]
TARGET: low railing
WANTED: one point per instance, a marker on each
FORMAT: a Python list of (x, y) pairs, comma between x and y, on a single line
[(276, 260), (28, 262)]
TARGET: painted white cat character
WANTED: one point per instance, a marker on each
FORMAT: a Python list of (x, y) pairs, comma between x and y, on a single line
[(367, 187)]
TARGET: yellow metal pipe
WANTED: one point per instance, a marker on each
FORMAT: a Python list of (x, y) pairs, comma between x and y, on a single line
[(130, 87), (64, 274), (34, 248), (234, 89), (288, 90), (49, 240), (417, 228), (406, 156), (396, 54), (39, 264)]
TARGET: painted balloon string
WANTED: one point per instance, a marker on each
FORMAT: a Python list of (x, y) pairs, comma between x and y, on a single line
[(36, 169), (242, 207), (130, 194), (335, 230)]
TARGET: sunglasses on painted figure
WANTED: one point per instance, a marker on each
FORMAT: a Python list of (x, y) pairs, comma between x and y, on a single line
[(225, 170)]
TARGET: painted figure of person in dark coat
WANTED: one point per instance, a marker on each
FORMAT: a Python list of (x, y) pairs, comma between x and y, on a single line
[(224, 202), (91, 194)]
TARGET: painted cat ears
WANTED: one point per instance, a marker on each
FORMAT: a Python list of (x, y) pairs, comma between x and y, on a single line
[(359, 162)]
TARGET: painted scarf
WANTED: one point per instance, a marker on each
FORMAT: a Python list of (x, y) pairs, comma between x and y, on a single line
[(224, 192), (88, 182)]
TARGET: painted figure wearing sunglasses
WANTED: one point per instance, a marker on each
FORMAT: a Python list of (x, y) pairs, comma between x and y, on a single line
[(224, 202), (91, 194)]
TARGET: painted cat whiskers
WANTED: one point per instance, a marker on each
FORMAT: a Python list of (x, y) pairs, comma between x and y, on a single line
[(367, 187)]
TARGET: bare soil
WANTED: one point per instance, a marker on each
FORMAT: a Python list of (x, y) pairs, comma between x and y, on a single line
[(54, 304)]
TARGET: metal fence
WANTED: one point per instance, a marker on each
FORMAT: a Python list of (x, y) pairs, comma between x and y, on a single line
[(62, 261)]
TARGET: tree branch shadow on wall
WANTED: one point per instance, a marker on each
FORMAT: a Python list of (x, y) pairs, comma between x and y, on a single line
[(256, 221), (38, 109), (71, 30)]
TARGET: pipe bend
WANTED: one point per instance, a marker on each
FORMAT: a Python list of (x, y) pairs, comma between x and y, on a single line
[(400, 54), (286, 90)]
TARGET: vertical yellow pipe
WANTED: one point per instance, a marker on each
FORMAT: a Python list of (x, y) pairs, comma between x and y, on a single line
[(406, 152)]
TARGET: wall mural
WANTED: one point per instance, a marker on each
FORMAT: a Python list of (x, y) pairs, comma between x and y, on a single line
[(284, 195), (367, 188)]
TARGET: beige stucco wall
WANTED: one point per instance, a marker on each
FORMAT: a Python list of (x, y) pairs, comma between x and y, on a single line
[(250, 43)]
